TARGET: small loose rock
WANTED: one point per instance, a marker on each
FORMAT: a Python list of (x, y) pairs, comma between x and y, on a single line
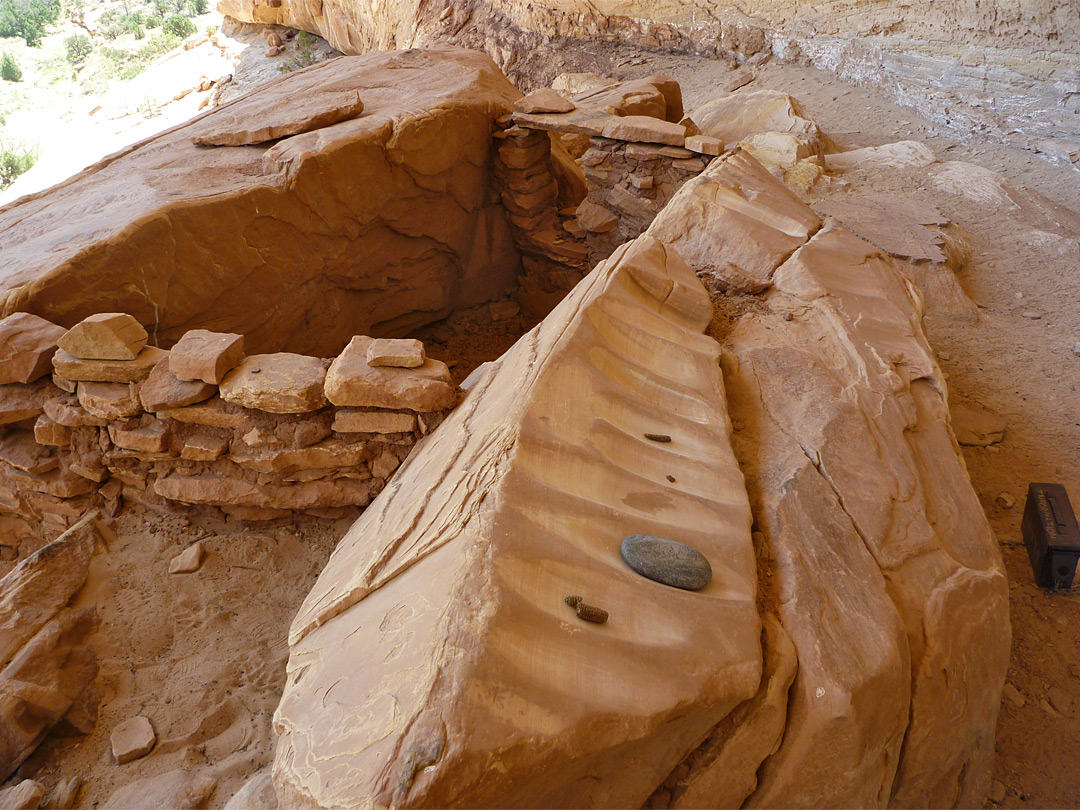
[(1012, 694), (657, 437), (667, 561), (1005, 500), (1031, 315), (671, 478), (132, 739)]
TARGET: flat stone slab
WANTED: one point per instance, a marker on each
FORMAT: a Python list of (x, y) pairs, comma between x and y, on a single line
[(544, 101), (347, 420), (105, 336), (110, 400), (644, 129), (19, 402), (132, 739), (277, 383), (667, 561), (351, 382), (83, 370), (397, 353), (27, 345), (163, 389), (301, 114), (204, 356), (188, 560)]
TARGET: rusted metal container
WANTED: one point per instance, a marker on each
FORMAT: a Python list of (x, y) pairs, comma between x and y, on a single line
[(1051, 535)]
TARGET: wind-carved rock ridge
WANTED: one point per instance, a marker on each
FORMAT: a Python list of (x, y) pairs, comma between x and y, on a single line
[(481, 687), (864, 671)]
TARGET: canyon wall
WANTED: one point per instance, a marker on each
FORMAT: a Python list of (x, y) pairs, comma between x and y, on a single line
[(1009, 70)]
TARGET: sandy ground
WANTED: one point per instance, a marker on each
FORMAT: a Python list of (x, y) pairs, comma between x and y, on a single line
[(202, 655)]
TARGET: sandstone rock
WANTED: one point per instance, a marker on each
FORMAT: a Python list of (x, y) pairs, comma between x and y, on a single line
[(105, 336), (976, 426), (349, 420), (900, 155), (384, 464), (655, 96), (595, 218), (214, 412), (45, 663), (204, 447), (399, 353), (899, 225), (328, 454), (503, 310), (65, 410), (544, 101), (642, 129), (152, 437), (404, 186), (118, 371), (352, 382), (64, 384), (777, 149), (163, 390), (587, 122), (642, 309), (277, 383), (188, 560), (27, 344), (175, 789), (21, 402), (734, 117), (51, 433), (575, 84), (737, 223), (705, 145), (233, 492), (302, 114), (21, 451), (26, 795), (206, 356), (110, 400), (132, 739)]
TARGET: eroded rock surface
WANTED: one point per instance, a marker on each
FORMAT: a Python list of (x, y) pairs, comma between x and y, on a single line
[(375, 224), (875, 577)]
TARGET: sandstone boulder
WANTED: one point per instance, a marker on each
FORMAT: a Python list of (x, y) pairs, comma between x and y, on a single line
[(179, 789), (19, 402), (105, 336), (27, 344), (204, 356), (26, 795), (110, 400), (352, 382), (643, 129), (654, 96), (900, 155), (377, 224), (277, 383), (737, 116)]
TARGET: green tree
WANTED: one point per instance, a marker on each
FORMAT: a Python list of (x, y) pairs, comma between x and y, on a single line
[(78, 47), (199, 6), (27, 19), (9, 69), (14, 160), (179, 26)]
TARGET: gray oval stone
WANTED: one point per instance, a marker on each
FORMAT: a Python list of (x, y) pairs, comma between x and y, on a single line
[(667, 561)]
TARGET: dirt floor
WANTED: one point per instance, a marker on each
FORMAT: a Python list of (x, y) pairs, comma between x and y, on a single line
[(202, 654)]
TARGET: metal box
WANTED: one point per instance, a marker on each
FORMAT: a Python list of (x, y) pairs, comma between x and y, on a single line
[(1051, 535)]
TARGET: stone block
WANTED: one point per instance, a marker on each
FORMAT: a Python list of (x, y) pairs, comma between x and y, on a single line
[(277, 383), (110, 400), (396, 353), (105, 336), (81, 369), (163, 389), (206, 356), (27, 344), (351, 382), (350, 420)]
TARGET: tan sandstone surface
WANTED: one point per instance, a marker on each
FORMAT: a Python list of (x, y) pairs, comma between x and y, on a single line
[(374, 224)]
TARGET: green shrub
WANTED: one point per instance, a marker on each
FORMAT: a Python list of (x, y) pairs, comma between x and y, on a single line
[(14, 160), (179, 26), (162, 7), (140, 32), (199, 6), (154, 21), (27, 19), (78, 48), (9, 69)]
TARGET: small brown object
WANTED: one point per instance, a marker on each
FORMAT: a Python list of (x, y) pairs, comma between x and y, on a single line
[(657, 437), (671, 478), (256, 370), (573, 601), (591, 613)]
